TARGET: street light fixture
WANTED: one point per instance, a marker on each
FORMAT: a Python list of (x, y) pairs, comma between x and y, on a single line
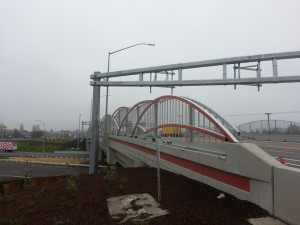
[(131, 46), (43, 134), (110, 53)]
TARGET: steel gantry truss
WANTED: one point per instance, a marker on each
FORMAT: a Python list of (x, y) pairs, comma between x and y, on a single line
[(149, 77)]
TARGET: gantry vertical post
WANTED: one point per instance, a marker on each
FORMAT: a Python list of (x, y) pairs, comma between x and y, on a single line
[(224, 71), (93, 166), (258, 71), (275, 68)]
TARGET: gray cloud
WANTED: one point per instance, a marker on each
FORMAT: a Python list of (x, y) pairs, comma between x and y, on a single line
[(48, 49)]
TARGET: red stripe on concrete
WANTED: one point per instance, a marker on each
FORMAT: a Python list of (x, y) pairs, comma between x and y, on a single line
[(234, 180)]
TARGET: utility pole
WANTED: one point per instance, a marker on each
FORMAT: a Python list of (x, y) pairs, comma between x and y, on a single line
[(268, 114)]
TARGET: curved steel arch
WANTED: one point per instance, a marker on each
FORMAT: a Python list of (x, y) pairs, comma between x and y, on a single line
[(118, 109), (137, 125), (120, 113), (131, 110), (102, 123), (227, 135), (217, 116)]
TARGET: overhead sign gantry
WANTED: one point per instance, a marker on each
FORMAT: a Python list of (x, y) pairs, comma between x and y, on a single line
[(149, 77)]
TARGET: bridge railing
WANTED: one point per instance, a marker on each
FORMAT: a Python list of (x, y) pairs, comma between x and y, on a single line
[(169, 117)]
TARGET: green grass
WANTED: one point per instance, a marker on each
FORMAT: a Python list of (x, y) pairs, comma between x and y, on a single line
[(72, 186), (26, 147), (50, 145)]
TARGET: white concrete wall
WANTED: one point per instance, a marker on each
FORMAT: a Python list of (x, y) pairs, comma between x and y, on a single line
[(287, 194), (245, 160), (273, 186)]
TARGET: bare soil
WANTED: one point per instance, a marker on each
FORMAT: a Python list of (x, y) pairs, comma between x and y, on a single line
[(82, 200)]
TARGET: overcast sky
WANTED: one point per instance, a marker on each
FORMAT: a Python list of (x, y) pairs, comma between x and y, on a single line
[(48, 49)]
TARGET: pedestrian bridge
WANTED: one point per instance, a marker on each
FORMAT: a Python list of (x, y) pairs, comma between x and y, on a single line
[(193, 140), (170, 116)]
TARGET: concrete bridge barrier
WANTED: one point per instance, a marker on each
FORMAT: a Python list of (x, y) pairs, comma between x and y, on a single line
[(286, 194), (241, 169)]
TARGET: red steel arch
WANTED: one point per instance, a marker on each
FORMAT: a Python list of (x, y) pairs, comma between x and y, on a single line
[(131, 109), (227, 135), (118, 109)]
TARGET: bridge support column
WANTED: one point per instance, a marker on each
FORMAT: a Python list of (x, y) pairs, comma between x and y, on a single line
[(110, 156), (88, 144), (94, 148)]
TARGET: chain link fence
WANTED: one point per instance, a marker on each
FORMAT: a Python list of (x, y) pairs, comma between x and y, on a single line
[(275, 127)]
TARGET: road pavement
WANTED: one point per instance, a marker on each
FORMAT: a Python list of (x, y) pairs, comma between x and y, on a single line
[(13, 171), (59, 154), (9, 170), (289, 150)]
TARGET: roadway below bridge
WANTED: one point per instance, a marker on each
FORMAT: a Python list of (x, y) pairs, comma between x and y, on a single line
[(10, 170), (57, 154), (14, 171)]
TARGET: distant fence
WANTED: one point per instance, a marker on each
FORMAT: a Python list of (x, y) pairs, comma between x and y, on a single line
[(275, 127)]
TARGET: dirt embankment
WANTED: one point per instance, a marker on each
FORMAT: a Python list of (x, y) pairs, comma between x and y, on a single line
[(82, 200)]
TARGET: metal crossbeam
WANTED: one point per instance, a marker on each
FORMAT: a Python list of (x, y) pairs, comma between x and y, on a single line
[(198, 64), (240, 81)]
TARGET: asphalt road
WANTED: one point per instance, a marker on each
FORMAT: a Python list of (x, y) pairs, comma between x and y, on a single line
[(74, 154), (13, 171), (290, 151)]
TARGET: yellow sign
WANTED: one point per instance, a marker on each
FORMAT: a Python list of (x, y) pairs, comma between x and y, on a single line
[(3, 127)]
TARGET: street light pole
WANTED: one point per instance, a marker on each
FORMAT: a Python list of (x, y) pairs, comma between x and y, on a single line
[(108, 65), (74, 128), (78, 131), (43, 135)]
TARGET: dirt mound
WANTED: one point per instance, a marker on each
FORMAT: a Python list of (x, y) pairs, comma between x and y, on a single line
[(82, 200)]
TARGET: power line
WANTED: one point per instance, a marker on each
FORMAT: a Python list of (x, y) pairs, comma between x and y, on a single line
[(258, 114), (287, 112)]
